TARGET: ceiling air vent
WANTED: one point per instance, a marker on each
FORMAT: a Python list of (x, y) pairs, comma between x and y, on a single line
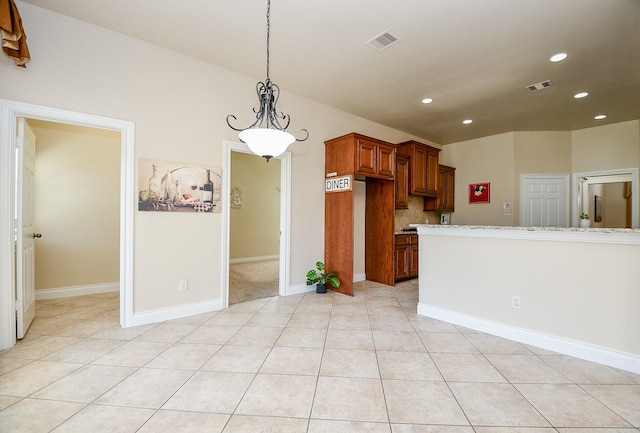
[(383, 40), (539, 86)]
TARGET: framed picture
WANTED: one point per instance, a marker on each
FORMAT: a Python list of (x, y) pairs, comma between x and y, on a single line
[(445, 219), (165, 186), (480, 192), (236, 198)]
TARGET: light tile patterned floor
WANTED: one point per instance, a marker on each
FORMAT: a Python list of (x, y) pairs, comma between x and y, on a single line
[(303, 364)]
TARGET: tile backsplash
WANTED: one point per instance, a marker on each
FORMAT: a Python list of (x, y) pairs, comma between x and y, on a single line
[(415, 214)]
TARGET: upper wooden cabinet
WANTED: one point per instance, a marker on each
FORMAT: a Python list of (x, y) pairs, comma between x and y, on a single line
[(445, 201), (402, 182), (423, 168), (363, 156)]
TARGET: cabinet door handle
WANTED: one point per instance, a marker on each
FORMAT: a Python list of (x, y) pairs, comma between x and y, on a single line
[(37, 235)]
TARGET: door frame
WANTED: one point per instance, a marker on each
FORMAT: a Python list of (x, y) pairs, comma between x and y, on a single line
[(285, 217), (523, 194), (9, 113)]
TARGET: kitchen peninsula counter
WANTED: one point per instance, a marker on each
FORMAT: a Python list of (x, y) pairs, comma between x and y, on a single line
[(569, 290)]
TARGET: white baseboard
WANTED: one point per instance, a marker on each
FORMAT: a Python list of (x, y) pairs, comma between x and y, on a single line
[(163, 314), (297, 289), (66, 292), (253, 259), (590, 352)]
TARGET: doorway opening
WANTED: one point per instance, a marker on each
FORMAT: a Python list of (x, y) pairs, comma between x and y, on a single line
[(607, 199), (256, 217), (76, 198), (10, 112), (254, 228)]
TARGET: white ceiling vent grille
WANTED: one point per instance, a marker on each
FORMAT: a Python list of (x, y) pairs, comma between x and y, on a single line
[(383, 40), (539, 86)]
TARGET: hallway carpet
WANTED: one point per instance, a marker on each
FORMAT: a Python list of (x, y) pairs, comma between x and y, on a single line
[(253, 280)]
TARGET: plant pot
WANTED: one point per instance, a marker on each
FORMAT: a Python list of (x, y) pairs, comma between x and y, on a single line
[(585, 224), (321, 288)]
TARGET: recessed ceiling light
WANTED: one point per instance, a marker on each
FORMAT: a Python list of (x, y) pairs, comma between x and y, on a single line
[(580, 95), (427, 101), (467, 122), (558, 57), (600, 116)]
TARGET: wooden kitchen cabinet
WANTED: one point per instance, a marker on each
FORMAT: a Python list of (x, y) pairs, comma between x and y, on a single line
[(406, 256), (445, 201), (372, 161), (423, 168), (402, 182), (361, 155)]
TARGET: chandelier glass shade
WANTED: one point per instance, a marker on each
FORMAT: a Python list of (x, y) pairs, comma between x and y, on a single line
[(267, 136)]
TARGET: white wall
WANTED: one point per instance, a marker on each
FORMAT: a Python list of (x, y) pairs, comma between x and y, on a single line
[(179, 106)]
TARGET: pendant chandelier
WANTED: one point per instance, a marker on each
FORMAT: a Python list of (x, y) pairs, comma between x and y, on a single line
[(267, 136)]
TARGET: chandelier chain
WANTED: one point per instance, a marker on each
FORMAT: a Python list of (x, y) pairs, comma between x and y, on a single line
[(268, 33)]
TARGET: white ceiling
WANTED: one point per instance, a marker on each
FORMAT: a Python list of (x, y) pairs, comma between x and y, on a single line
[(473, 57)]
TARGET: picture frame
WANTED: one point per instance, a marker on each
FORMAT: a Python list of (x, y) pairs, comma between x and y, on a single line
[(480, 192), (173, 187)]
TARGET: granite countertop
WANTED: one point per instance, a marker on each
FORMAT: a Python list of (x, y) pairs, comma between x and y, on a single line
[(530, 229), (562, 234)]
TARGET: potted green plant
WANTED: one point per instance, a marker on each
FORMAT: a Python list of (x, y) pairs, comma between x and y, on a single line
[(585, 222), (320, 278)]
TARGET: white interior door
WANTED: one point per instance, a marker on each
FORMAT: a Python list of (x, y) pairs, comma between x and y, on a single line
[(544, 201), (26, 234)]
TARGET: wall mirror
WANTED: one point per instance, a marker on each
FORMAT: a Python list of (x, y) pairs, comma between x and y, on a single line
[(609, 198)]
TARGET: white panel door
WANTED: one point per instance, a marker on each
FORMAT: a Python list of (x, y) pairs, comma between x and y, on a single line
[(26, 235), (545, 202)]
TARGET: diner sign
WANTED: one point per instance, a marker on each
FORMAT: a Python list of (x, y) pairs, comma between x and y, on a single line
[(338, 184)]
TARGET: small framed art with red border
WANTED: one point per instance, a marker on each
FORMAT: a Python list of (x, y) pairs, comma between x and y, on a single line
[(480, 192)]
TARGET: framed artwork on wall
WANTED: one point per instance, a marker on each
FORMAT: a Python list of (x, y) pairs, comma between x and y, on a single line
[(480, 192), (178, 187)]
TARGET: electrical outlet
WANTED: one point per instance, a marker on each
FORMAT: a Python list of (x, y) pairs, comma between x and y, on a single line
[(183, 285), (516, 302)]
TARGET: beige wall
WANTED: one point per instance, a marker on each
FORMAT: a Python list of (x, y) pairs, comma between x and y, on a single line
[(615, 205), (77, 206), (581, 291), (501, 159), (179, 106), (254, 229), (606, 147), (489, 159)]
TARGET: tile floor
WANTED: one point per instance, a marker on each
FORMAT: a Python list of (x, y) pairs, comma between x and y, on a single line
[(308, 363)]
